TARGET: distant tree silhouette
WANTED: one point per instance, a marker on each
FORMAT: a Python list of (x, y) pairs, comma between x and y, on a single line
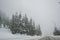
[(56, 31), (38, 32)]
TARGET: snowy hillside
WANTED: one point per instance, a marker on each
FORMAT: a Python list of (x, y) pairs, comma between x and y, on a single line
[(5, 34)]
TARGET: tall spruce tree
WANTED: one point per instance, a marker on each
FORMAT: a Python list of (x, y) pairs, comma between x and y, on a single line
[(38, 32), (26, 23), (14, 24), (31, 28), (0, 21)]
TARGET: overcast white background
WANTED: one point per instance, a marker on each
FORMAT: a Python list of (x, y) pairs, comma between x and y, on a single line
[(43, 12)]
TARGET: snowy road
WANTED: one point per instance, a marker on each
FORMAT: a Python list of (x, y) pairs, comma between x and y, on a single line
[(43, 38)]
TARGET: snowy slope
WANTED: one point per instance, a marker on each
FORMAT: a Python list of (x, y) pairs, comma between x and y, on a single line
[(5, 34)]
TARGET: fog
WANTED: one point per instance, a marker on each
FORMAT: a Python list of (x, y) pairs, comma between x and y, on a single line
[(43, 12)]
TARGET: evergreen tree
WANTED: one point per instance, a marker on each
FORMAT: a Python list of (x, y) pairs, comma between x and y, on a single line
[(21, 26), (31, 28), (17, 24), (56, 31), (38, 32), (14, 24), (0, 18), (0, 21), (25, 22)]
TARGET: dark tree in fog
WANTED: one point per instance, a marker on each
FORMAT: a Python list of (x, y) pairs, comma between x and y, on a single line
[(0, 18), (56, 31), (38, 32), (15, 25), (0, 21), (31, 28), (4, 19)]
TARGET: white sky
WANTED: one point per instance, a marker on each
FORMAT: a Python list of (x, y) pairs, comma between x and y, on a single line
[(43, 12)]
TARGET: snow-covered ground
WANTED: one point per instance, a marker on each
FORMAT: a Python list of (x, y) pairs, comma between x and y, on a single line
[(5, 34), (50, 38)]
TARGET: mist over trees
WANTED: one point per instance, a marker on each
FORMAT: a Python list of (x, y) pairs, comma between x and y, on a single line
[(20, 24), (3, 19), (23, 25)]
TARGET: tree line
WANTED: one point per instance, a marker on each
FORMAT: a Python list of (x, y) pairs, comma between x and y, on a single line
[(20, 24)]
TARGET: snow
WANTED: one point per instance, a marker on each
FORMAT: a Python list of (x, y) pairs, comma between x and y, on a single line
[(5, 34), (50, 38)]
